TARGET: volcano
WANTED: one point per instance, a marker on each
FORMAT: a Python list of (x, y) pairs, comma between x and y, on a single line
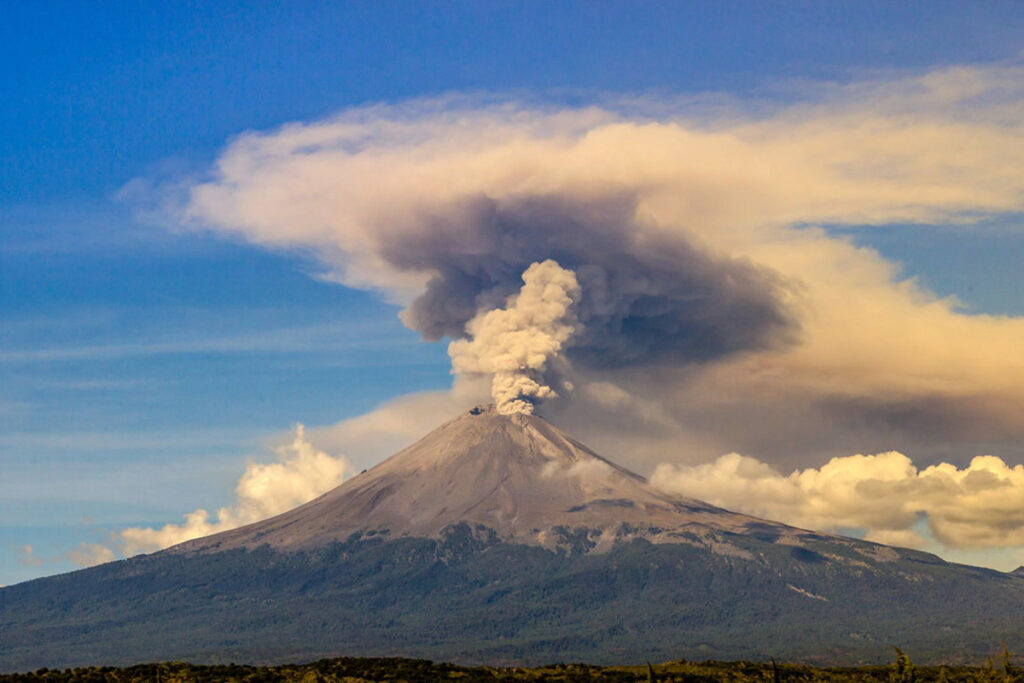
[(500, 539), (517, 478)]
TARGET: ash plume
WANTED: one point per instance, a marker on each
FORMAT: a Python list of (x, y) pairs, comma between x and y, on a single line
[(719, 308), (517, 343), (646, 298)]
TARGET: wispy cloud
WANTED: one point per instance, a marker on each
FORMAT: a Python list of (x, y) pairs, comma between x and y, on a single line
[(319, 339), (27, 557)]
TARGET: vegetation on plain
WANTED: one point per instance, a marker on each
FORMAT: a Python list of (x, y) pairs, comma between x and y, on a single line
[(366, 670)]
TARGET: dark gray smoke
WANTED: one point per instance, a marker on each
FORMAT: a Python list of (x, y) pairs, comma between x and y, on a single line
[(647, 298)]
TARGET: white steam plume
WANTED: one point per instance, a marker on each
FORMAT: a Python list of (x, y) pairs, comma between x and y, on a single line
[(516, 344)]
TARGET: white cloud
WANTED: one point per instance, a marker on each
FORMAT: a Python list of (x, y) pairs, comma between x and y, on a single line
[(902, 538), (28, 558), (301, 473), (90, 555), (978, 506)]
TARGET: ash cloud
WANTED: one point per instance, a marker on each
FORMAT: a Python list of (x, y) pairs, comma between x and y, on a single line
[(645, 299), (715, 313)]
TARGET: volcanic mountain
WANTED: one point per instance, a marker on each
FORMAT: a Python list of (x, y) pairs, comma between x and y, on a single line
[(515, 477), (498, 538)]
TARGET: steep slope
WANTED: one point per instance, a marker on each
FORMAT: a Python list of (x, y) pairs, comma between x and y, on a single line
[(500, 539), (518, 476)]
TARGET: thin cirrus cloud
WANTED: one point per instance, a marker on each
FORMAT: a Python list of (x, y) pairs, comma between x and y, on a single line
[(323, 338)]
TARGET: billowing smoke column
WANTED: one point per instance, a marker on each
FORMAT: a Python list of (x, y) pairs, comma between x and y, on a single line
[(516, 344), (452, 248), (646, 297), (717, 309)]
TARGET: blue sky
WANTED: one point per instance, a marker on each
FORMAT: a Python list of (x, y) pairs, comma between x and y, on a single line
[(132, 353)]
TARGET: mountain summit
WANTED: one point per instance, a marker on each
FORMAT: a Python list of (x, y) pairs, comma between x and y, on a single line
[(499, 539), (515, 476)]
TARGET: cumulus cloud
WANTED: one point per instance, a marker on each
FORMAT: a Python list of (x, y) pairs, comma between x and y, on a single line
[(718, 307), (516, 344), (977, 506), (90, 555), (27, 557), (301, 473)]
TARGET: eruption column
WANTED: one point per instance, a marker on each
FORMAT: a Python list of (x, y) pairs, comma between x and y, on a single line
[(515, 344)]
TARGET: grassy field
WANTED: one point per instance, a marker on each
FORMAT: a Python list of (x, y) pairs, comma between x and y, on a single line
[(357, 670)]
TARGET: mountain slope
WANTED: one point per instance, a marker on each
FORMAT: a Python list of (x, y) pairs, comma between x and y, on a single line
[(516, 475), (499, 539)]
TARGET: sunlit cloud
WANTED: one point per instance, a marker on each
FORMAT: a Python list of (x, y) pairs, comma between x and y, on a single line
[(885, 495), (27, 557), (90, 555), (301, 473)]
